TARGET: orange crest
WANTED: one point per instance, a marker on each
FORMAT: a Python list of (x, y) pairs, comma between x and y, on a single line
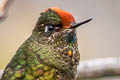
[(67, 18)]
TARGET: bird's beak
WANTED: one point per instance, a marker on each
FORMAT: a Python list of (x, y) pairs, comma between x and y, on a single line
[(81, 23)]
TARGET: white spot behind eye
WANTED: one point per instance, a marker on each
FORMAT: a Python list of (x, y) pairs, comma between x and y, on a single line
[(46, 29)]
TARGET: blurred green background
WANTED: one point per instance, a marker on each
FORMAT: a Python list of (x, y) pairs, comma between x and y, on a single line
[(97, 39)]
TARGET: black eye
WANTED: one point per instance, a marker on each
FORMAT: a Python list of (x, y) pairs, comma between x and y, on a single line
[(49, 28)]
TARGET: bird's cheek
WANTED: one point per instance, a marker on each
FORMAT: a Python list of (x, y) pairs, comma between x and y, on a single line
[(47, 34)]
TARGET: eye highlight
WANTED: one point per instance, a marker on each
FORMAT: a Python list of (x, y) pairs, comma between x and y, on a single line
[(49, 28)]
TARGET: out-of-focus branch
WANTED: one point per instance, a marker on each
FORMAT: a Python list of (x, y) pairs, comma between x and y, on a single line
[(4, 7), (99, 68), (3, 4), (103, 78)]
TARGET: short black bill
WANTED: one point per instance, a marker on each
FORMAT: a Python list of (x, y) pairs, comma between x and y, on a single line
[(81, 23)]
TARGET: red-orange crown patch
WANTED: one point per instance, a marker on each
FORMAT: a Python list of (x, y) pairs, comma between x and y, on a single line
[(67, 18)]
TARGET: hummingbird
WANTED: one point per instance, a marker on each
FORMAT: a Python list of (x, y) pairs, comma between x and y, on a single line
[(51, 52)]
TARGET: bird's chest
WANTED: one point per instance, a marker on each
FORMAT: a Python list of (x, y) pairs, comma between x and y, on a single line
[(71, 44), (68, 47)]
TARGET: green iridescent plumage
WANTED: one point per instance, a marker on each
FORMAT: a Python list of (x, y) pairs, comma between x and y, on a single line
[(44, 57)]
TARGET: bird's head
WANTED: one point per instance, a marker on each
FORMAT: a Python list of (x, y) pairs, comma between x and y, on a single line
[(54, 22)]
